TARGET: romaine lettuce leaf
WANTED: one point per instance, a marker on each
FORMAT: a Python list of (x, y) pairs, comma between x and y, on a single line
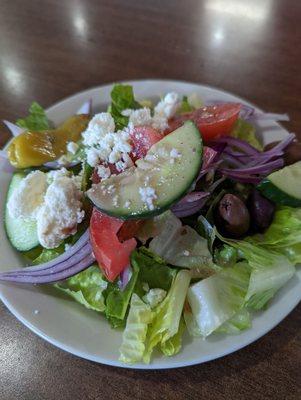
[(117, 299), (166, 322), (134, 335), (86, 287), (245, 131), (173, 345), (151, 271), (218, 298), (239, 322), (270, 270), (283, 235), (36, 120), (122, 97)]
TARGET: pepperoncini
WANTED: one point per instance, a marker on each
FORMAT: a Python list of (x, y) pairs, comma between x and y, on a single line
[(32, 149)]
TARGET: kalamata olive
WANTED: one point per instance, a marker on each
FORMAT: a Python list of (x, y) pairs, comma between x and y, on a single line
[(261, 211), (292, 153), (233, 217)]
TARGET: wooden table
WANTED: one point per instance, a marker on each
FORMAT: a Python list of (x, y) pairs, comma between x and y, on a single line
[(52, 49)]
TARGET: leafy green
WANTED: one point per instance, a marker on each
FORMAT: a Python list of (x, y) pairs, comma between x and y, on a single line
[(185, 106), (283, 235), (86, 287), (226, 256), (218, 298), (36, 120), (48, 255), (245, 131), (239, 322), (151, 271), (270, 270), (117, 300), (206, 230), (173, 345), (122, 97), (167, 316), (134, 335)]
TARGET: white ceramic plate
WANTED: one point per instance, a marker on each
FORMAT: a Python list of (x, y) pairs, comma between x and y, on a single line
[(86, 334)]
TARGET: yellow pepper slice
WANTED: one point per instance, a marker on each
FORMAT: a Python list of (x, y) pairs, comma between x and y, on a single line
[(32, 149)]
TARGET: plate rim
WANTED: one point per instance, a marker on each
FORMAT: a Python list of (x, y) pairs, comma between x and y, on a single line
[(169, 363)]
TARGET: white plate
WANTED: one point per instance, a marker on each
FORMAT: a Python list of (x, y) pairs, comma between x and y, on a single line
[(86, 334)]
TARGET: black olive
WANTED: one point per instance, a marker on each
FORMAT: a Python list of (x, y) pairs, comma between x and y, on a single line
[(261, 211), (233, 218)]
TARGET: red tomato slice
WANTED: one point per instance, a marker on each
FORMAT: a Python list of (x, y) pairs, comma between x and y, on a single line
[(143, 137), (212, 121), (112, 256), (129, 229)]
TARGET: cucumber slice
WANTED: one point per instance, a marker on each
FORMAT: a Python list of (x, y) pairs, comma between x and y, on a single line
[(21, 233), (284, 186), (169, 168)]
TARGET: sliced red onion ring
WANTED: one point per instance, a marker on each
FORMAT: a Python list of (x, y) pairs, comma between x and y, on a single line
[(14, 129), (125, 276), (239, 144), (190, 204), (259, 169), (85, 108), (74, 260), (5, 165)]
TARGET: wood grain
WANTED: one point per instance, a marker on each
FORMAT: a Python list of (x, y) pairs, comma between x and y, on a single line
[(53, 48)]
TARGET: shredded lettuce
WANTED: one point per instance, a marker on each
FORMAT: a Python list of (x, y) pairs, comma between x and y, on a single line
[(226, 256), (218, 298), (36, 120), (185, 106), (167, 316), (122, 97), (86, 287), (134, 335), (245, 131)]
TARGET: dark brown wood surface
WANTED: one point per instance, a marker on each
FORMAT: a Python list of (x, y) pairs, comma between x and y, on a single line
[(52, 49)]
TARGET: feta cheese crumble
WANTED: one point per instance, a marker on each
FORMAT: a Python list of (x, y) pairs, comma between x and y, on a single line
[(103, 172), (154, 297), (99, 126), (72, 147), (53, 199), (60, 213), (139, 117), (148, 195), (29, 196)]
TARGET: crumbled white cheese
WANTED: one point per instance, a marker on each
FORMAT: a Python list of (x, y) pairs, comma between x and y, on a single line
[(99, 126), (60, 213), (103, 172), (67, 246), (57, 173), (127, 204), (92, 156), (29, 196), (148, 195), (186, 253), (139, 117), (72, 147), (115, 200), (168, 106), (154, 297)]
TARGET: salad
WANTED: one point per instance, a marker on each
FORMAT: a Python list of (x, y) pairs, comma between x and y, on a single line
[(163, 217)]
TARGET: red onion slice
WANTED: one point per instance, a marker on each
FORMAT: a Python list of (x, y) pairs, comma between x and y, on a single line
[(14, 129)]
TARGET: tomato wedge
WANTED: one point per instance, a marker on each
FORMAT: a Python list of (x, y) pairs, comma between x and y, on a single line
[(212, 121), (112, 256), (143, 137), (129, 229)]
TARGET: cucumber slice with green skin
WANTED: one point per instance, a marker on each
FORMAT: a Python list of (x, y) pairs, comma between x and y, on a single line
[(21, 233), (283, 187), (170, 168)]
